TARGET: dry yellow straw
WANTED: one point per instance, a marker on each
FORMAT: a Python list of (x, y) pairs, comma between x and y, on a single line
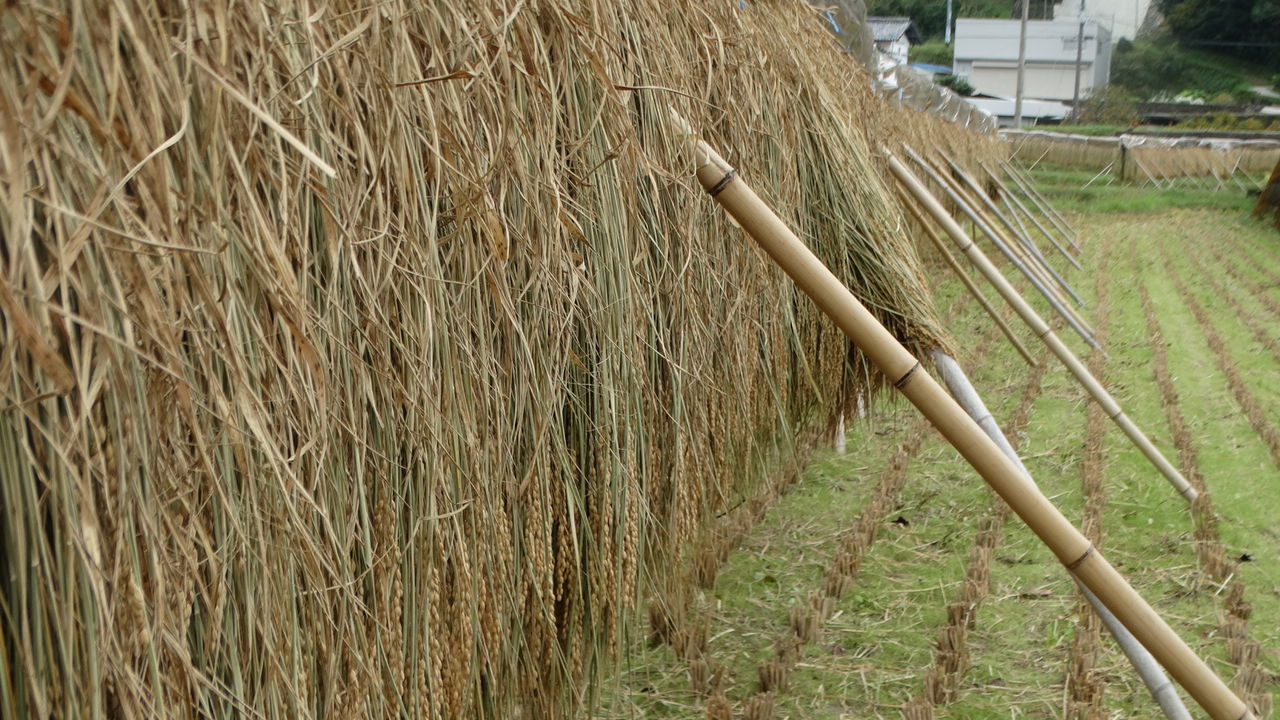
[(1038, 326), (1002, 474), (959, 271)]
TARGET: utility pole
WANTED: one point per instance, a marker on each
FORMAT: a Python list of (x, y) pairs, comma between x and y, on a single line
[(946, 35), (1022, 64), (1075, 97)]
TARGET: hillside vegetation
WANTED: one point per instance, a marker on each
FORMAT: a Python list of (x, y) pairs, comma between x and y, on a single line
[(1245, 29), (1163, 68)]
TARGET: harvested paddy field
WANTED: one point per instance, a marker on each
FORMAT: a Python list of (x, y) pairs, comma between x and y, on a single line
[(890, 582)]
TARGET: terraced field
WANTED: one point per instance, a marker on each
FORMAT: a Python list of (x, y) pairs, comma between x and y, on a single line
[(888, 582)]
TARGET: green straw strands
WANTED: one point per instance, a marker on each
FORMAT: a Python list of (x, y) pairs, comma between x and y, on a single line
[(371, 360)]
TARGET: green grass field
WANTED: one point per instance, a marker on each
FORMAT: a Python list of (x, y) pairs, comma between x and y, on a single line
[(1028, 651)]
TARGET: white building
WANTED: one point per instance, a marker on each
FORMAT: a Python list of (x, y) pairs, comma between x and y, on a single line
[(986, 54), (893, 36)]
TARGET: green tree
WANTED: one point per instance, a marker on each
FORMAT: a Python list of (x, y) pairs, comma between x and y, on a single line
[(1244, 28), (929, 17), (933, 52)]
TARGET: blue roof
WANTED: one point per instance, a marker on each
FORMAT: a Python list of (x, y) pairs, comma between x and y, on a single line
[(935, 69)]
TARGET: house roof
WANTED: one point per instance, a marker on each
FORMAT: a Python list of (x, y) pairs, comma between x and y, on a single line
[(888, 29)]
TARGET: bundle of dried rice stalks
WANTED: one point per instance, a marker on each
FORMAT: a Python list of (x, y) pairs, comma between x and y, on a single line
[(360, 360)]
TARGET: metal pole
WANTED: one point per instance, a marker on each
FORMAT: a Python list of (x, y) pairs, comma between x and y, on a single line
[(1022, 64)]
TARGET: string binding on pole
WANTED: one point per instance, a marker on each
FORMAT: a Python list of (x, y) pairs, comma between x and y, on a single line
[(1076, 563), (902, 381), (728, 178)]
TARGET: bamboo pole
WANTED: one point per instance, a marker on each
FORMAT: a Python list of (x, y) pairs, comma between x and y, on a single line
[(972, 286), (1042, 330), (1071, 548), (1013, 213), (995, 209), (1033, 260), (1055, 301), (1158, 684), (971, 209), (1038, 199), (1028, 186), (1016, 202), (942, 175), (978, 200), (1053, 211)]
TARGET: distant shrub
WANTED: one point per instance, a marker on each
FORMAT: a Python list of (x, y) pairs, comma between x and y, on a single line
[(956, 83), (1227, 121), (934, 52), (1109, 105)]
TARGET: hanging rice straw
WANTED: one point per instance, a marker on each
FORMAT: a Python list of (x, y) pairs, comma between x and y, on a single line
[(1038, 281), (1158, 684), (959, 271), (1042, 330), (1075, 551)]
